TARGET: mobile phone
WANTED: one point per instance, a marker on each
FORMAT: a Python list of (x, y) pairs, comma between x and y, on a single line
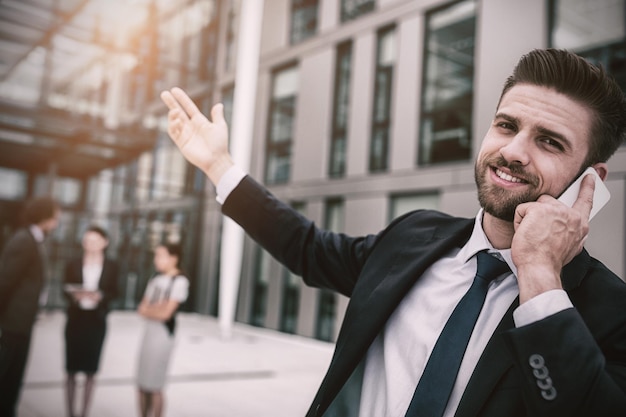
[(601, 194)]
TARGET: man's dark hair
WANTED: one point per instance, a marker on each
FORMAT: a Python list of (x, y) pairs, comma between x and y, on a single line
[(40, 209), (99, 230), (589, 85)]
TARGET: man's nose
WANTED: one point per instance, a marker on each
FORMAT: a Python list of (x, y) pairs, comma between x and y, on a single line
[(517, 151)]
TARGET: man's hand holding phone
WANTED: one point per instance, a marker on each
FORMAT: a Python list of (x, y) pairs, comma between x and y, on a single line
[(601, 194), (550, 232)]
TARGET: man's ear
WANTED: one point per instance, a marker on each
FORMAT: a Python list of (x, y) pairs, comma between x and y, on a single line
[(602, 169)]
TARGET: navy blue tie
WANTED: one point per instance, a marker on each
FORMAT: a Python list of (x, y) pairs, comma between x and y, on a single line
[(433, 390)]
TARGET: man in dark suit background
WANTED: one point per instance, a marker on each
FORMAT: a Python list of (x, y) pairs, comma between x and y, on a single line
[(23, 273), (550, 340)]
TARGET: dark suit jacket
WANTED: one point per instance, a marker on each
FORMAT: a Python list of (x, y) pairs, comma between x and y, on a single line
[(583, 349), (107, 284), (21, 280)]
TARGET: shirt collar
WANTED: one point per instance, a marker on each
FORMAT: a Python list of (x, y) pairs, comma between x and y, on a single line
[(478, 242), (37, 233)]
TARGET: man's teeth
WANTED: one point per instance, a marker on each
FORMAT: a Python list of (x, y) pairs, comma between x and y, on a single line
[(507, 177)]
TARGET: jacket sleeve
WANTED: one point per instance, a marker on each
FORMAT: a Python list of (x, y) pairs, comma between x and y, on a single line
[(323, 258), (109, 283), (69, 277), (16, 259), (574, 362)]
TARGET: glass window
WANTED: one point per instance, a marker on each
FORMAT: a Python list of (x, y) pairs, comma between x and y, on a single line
[(381, 118), (232, 26), (119, 184), (67, 191), (327, 301), (144, 173), (303, 19), (290, 300), (260, 288), (170, 170), (14, 184), (281, 118), (337, 160), (402, 204), (100, 191), (326, 312), (594, 29), (351, 9), (448, 89), (183, 44)]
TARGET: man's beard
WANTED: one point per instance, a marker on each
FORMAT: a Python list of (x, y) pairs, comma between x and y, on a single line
[(499, 202)]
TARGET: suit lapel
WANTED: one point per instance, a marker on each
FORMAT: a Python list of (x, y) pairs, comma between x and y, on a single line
[(382, 287), (496, 360)]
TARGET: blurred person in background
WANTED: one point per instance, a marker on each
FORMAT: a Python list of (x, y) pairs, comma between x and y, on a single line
[(164, 294), (23, 275), (91, 282)]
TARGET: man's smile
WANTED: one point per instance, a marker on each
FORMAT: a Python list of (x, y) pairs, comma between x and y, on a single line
[(508, 177)]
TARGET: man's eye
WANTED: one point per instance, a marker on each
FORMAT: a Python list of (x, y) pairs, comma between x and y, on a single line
[(552, 143), (506, 125)]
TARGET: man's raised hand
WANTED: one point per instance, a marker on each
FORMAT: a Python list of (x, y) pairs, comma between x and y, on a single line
[(202, 142)]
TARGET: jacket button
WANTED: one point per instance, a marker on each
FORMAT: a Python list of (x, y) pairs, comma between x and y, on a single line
[(540, 373), (545, 384), (536, 361), (549, 394)]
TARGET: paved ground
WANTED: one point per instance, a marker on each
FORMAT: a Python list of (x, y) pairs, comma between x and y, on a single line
[(257, 372)]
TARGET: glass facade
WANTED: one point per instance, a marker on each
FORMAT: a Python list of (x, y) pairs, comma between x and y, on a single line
[(341, 107), (148, 193), (303, 19), (327, 300), (281, 120), (448, 84), (600, 36), (13, 184), (383, 90), (290, 293), (260, 287), (232, 26), (403, 203), (351, 9), (290, 301)]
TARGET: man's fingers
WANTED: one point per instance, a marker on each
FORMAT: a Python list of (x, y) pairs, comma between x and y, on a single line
[(217, 113), (170, 101), (520, 213), (185, 102), (584, 202)]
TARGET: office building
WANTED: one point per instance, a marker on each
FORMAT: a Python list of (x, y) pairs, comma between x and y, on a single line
[(364, 109)]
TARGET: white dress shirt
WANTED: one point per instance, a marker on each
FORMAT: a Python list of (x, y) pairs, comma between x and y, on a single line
[(91, 280), (396, 359)]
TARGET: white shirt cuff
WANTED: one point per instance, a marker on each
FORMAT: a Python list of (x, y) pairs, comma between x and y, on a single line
[(541, 306), (231, 179)]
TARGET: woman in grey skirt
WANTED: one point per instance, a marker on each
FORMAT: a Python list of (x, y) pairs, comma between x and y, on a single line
[(164, 294)]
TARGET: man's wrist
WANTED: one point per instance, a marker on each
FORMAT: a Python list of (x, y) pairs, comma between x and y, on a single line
[(535, 280), (228, 181), (541, 306), (218, 168)]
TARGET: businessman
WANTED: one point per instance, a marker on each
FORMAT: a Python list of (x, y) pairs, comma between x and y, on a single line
[(502, 315), (23, 270)]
